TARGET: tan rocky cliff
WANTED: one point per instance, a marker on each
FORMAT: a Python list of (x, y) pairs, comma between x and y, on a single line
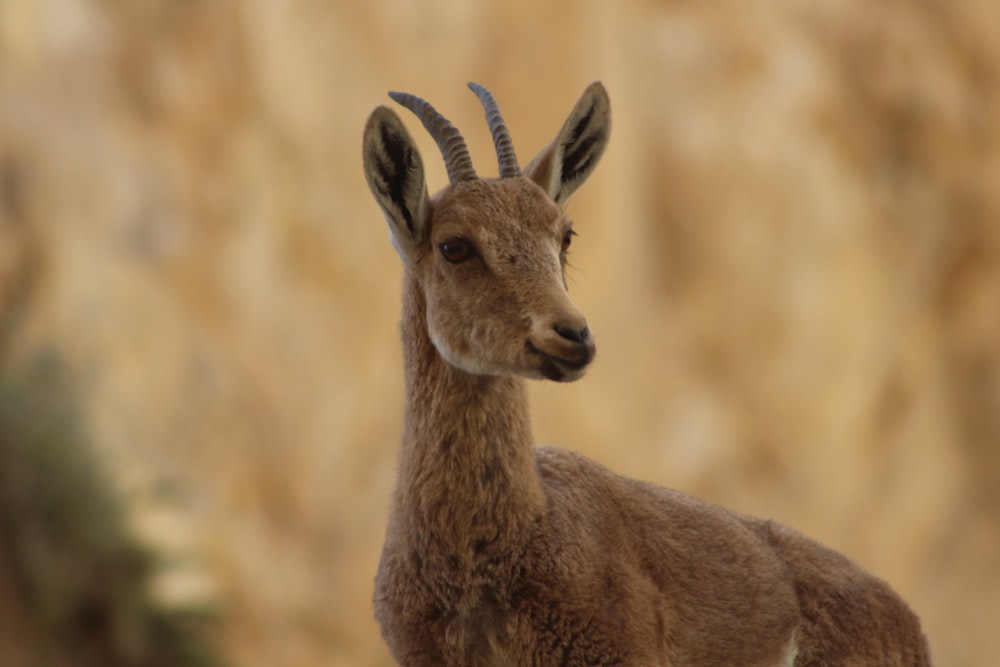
[(790, 257)]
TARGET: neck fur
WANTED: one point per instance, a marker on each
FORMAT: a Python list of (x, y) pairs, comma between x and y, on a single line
[(467, 487)]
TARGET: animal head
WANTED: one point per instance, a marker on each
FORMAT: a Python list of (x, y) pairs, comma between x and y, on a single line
[(489, 255)]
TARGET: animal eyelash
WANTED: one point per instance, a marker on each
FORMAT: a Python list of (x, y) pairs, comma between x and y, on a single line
[(567, 240)]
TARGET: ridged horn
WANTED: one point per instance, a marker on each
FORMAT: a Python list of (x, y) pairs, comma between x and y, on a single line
[(448, 138), (501, 136)]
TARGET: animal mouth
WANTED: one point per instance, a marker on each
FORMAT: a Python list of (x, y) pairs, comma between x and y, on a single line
[(564, 367)]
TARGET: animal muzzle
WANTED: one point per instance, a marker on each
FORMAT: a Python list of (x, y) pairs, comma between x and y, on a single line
[(563, 347)]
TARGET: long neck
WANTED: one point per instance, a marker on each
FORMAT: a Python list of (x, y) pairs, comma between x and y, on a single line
[(467, 483)]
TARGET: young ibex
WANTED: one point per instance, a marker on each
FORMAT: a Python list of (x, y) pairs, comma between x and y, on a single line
[(500, 553)]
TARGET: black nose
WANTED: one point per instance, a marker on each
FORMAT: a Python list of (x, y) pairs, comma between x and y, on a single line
[(575, 335)]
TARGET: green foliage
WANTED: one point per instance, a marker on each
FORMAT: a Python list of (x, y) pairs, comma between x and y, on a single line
[(79, 575)]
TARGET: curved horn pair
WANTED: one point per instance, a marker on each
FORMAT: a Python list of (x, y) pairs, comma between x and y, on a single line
[(457, 161)]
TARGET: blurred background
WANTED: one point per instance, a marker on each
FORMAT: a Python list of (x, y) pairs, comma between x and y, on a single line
[(790, 256)]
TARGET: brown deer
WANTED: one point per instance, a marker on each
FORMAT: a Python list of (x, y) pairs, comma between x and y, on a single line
[(501, 553)]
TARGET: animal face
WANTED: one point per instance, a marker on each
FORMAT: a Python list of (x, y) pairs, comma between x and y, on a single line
[(489, 255), (493, 276)]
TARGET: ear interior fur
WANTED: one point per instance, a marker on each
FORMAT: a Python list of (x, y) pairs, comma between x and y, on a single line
[(562, 166), (395, 175)]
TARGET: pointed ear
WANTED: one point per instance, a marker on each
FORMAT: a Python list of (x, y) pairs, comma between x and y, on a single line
[(395, 175), (565, 164)]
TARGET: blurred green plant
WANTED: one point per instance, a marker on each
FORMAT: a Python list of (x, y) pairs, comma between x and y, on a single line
[(80, 578)]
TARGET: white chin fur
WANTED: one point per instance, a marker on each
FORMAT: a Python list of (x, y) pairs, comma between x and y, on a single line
[(456, 360), (476, 366)]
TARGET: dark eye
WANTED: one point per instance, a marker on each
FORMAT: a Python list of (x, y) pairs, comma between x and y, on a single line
[(567, 240), (456, 250)]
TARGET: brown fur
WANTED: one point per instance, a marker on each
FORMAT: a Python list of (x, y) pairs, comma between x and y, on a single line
[(500, 553)]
